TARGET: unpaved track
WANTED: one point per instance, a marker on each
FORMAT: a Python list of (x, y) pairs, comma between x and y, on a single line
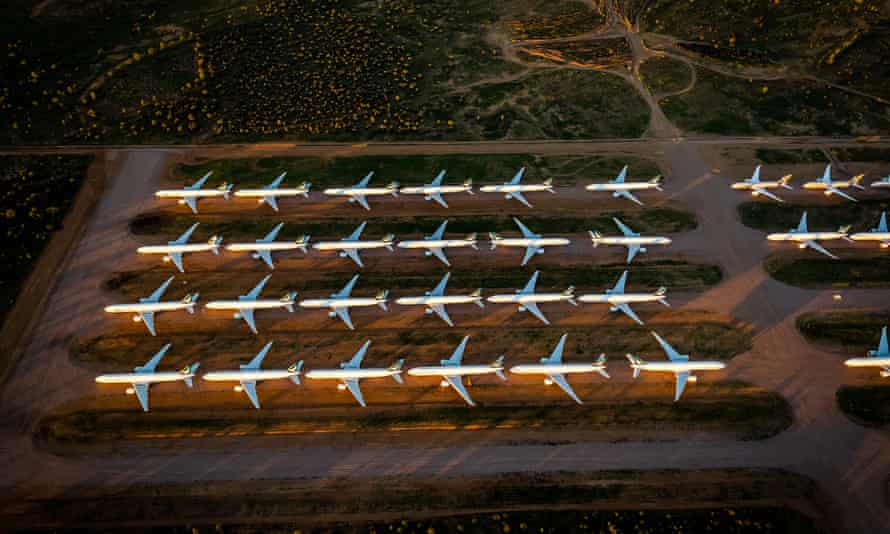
[(851, 463)]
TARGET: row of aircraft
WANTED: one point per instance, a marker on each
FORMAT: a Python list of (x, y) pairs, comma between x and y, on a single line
[(451, 371), (435, 301), (826, 184), (433, 244), (806, 238), (359, 193)]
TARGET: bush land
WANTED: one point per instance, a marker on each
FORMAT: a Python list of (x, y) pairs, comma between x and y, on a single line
[(810, 272), (866, 405), (862, 215)]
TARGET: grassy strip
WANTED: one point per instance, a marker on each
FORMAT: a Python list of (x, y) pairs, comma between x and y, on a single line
[(772, 156), (873, 272), (770, 217), (865, 405), (854, 330)]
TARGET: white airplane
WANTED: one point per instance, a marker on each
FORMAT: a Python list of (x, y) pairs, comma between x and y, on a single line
[(350, 373), (340, 302), (262, 248), (620, 188), (436, 300), (555, 370), (528, 300), (349, 246), (144, 376), (270, 193), (879, 233), (435, 243), (452, 371), (147, 307), (758, 188), (174, 250), (618, 300), (533, 243), (806, 239), (247, 304), (248, 375), (191, 193), (882, 183), (358, 192), (632, 240), (875, 358), (678, 364), (833, 187), (435, 190), (514, 189)]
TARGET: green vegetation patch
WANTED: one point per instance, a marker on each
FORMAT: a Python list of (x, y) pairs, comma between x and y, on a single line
[(854, 330), (862, 215), (863, 154), (772, 156), (811, 272), (664, 75), (866, 405)]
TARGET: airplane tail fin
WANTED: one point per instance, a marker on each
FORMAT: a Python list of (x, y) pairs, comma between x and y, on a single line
[(226, 189), (189, 372), (468, 183), (381, 299), (394, 188), (635, 363), (855, 181), (396, 369), (845, 229), (601, 362), (190, 300), (783, 181), (288, 299), (214, 243), (478, 296), (303, 243), (471, 238), (388, 240), (498, 363), (295, 370), (595, 237), (657, 182), (494, 237), (306, 186), (570, 292), (549, 183)]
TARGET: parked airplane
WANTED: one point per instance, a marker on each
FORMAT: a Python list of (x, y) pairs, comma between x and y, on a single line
[(620, 301), (514, 189), (879, 233), (360, 191), (528, 300), (262, 248), (533, 243), (882, 183), (806, 239), (632, 240), (146, 308), (833, 187), (555, 370), (436, 300), (349, 246), (758, 188), (174, 250), (435, 243), (340, 302), (270, 193), (452, 371), (144, 376), (875, 358), (621, 188), (678, 364), (247, 304), (435, 190), (350, 373), (191, 193), (248, 375)]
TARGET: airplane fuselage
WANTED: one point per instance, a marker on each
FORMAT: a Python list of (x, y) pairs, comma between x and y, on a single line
[(882, 237), (190, 193), (881, 183), (436, 243), (875, 361), (682, 367), (749, 186), (248, 375), (816, 185), (359, 191), (518, 188), (433, 189), (805, 236), (454, 370), (148, 307), (639, 240), (431, 301), (522, 299), (350, 245), (352, 302), (274, 245), (142, 378), (560, 369), (540, 242), (171, 249), (623, 298), (625, 186), (260, 194), (260, 304), (346, 374)]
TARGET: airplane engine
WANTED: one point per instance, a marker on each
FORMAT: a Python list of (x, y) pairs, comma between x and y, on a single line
[(642, 249), (802, 246), (332, 314), (181, 201), (508, 196), (342, 254), (885, 245), (238, 388), (255, 256), (427, 197), (136, 318), (827, 193), (885, 374), (352, 199), (755, 193), (341, 387), (427, 253), (692, 379), (613, 309), (443, 384), (236, 315), (540, 251), (165, 259), (428, 311), (548, 382), (130, 391), (521, 308), (260, 201)]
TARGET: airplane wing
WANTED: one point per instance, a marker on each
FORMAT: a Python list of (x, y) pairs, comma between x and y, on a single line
[(266, 256), (556, 355), (518, 196), (882, 346), (440, 231), (200, 183), (532, 307), (440, 288), (530, 286), (347, 289), (768, 194), (836, 191), (458, 353), (624, 228), (176, 258), (343, 314), (192, 202), (458, 386), (154, 297), (530, 252), (437, 181), (354, 236), (625, 308), (272, 201), (819, 248), (364, 181), (517, 177), (561, 381), (142, 394), (149, 367), (363, 201), (356, 360), (632, 251), (619, 285), (439, 253), (440, 311), (353, 387), (247, 315), (524, 229), (249, 387), (672, 354), (438, 198), (628, 195), (681, 384), (621, 176), (183, 239), (275, 183), (148, 318), (255, 292), (352, 253), (257, 360)]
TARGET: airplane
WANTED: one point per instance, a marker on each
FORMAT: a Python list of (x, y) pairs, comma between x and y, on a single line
[(807, 239), (350, 373), (678, 364), (247, 304), (620, 188), (436, 300), (632, 240), (533, 243), (190, 194), (875, 358), (528, 300), (452, 371), (435, 243), (340, 302), (514, 189), (882, 183), (269, 193), (620, 301), (435, 190), (358, 192), (833, 187), (144, 376), (555, 370), (879, 233), (146, 308), (262, 248), (248, 375), (758, 188), (349, 246), (174, 250)]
